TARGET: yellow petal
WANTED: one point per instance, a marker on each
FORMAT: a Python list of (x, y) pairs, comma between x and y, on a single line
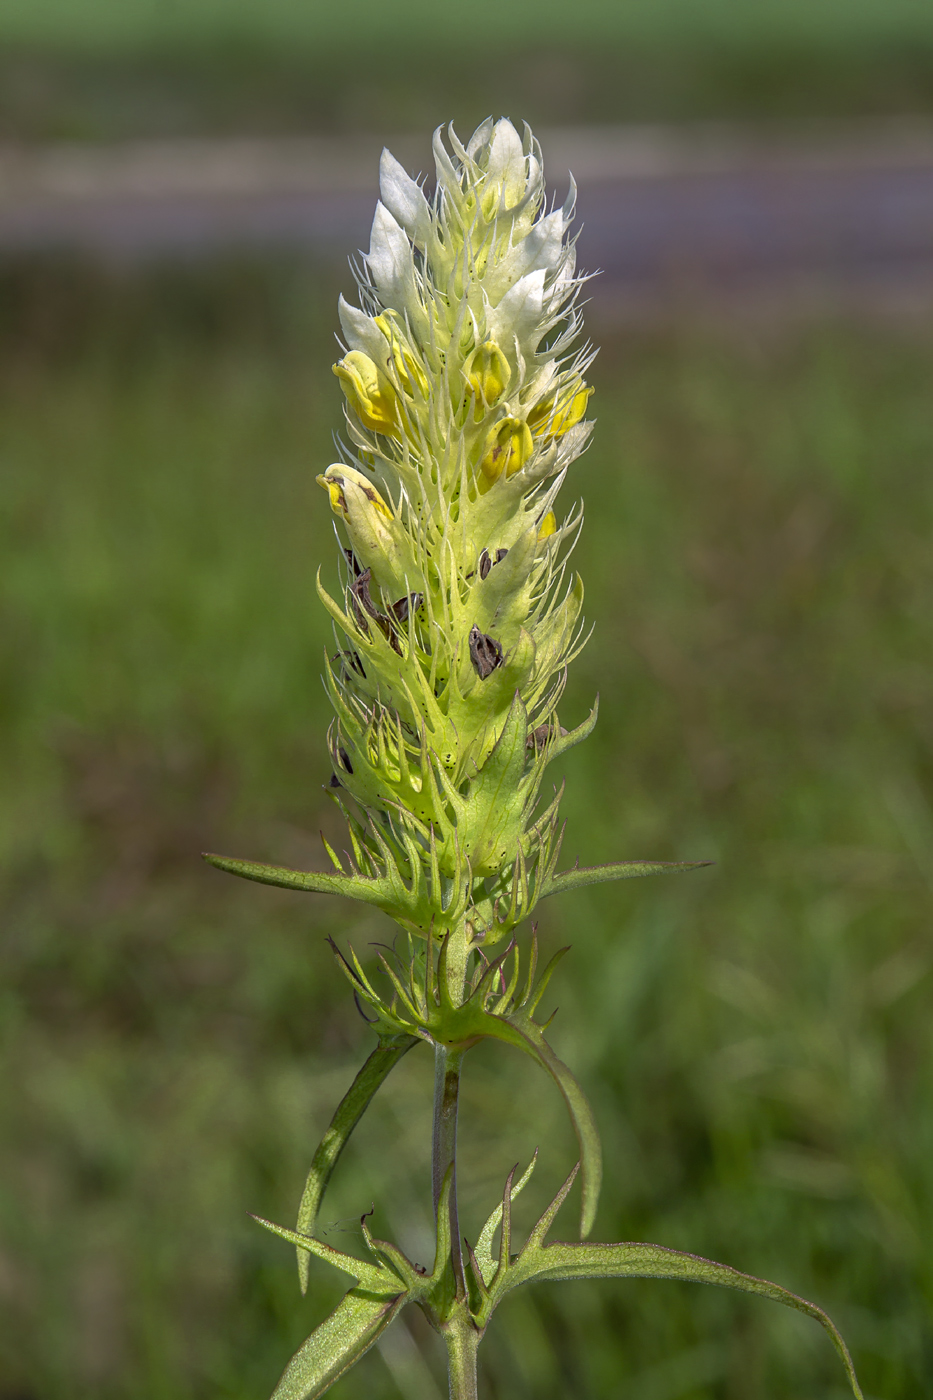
[(368, 392), (553, 416), (378, 538), (334, 488), (508, 446), (488, 373)]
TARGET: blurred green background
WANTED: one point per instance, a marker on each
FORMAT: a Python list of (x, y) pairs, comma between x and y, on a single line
[(91, 68), (756, 1038)]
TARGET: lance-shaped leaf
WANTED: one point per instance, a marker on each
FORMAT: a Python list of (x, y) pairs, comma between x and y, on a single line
[(334, 1346), (349, 1112), (571, 1261), (375, 1278), (582, 875), (390, 868), (376, 889)]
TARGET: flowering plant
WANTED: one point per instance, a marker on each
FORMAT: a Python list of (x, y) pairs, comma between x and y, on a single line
[(466, 403)]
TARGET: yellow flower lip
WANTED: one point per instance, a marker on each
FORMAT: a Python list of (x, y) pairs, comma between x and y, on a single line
[(508, 446), (337, 477), (488, 373), (334, 487), (555, 415), (376, 535), (369, 392)]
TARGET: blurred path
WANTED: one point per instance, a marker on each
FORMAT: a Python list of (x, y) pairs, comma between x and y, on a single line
[(711, 215)]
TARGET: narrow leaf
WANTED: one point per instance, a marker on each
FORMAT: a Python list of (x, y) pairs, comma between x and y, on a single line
[(372, 1277), (339, 1342), (349, 1112), (622, 870), (442, 1246), (370, 889), (571, 1261)]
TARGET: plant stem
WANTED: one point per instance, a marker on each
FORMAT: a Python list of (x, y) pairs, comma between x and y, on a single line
[(462, 1341), (446, 1091), (460, 1336)]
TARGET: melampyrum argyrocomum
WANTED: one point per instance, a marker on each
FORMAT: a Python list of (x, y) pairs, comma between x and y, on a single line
[(456, 616)]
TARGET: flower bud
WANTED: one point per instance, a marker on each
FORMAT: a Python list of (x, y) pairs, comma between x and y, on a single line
[(547, 527), (488, 373), (553, 416), (508, 446), (368, 392), (377, 537)]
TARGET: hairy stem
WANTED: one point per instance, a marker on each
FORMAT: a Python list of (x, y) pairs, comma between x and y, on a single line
[(462, 1341), (458, 955), (447, 1065)]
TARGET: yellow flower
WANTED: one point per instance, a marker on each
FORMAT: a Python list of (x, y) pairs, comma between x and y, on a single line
[(508, 446), (377, 537), (552, 417), (547, 527), (368, 392), (488, 373)]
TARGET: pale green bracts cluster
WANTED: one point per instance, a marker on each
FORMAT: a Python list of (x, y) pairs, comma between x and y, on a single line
[(456, 617), (465, 403), (465, 395)]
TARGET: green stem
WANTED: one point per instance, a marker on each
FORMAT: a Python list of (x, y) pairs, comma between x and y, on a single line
[(447, 1065), (458, 955), (462, 1341)]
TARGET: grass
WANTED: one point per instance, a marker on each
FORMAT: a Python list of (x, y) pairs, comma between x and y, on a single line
[(756, 1039), (118, 24), (107, 69)]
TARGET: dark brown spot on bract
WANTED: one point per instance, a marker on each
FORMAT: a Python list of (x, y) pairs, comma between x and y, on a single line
[(486, 562), (359, 591), (363, 607), (405, 606), (485, 653)]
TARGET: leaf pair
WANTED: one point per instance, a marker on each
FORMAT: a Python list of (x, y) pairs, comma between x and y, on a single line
[(401, 886), (386, 1283)]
